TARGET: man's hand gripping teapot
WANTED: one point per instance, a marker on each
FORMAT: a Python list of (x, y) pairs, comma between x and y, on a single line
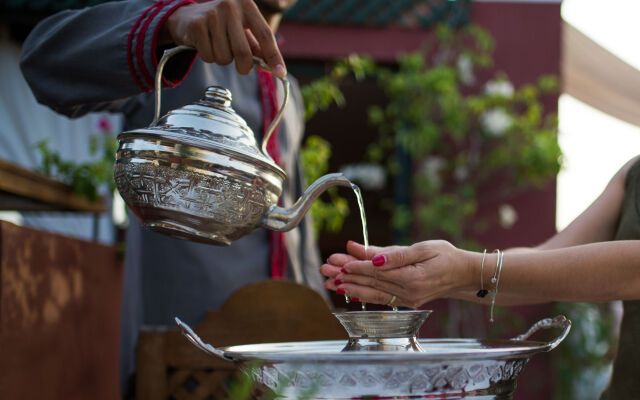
[(197, 173)]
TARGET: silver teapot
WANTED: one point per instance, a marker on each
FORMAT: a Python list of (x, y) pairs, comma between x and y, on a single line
[(198, 174)]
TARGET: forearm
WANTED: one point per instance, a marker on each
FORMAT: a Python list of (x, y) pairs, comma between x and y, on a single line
[(82, 60), (593, 272), (506, 299)]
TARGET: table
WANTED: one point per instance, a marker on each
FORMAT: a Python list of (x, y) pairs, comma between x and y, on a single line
[(24, 190), (60, 302), (60, 299)]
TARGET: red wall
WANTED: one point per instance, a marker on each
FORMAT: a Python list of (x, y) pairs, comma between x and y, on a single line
[(527, 45)]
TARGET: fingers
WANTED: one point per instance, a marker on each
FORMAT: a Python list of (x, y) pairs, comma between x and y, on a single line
[(330, 284), (240, 47), (225, 31), (358, 250), (340, 259), (220, 41), (374, 282), (253, 44), (371, 295), (330, 271), (401, 278), (265, 38), (198, 36), (379, 289), (398, 257)]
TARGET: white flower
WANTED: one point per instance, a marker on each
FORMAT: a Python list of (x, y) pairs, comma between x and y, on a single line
[(368, 176), (461, 173), (465, 70), (431, 168), (499, 88), (496, 121), (508, 216)]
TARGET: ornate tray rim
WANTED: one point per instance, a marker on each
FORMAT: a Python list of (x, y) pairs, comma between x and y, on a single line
[(295, 352)]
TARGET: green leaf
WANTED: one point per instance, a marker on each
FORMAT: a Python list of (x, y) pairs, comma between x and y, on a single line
[(84, 178)]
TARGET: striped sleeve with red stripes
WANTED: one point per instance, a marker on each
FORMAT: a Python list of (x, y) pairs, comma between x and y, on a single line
[(142, 44)]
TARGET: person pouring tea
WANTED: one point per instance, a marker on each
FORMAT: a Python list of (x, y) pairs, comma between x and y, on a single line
[(104, 58), (596, 258)]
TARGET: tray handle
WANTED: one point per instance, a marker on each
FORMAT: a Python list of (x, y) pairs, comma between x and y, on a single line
[(559, 321), (195, 339)]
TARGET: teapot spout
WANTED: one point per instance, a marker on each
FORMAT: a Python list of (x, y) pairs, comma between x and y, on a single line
[(284, 219)]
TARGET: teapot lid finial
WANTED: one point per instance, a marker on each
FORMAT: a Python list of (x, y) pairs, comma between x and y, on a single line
[(218, 94)]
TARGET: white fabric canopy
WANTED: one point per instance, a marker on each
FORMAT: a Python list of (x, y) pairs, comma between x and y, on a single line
[(597, 77)]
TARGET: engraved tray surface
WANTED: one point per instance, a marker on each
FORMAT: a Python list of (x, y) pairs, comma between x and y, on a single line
[(448, 368)]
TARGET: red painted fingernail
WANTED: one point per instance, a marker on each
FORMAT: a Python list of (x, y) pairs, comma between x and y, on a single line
[(338, 282), (355, 299), (340, 291), (344, 271), (379, 260)]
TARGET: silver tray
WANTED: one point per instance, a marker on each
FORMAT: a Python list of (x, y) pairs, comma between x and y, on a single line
[(447, 368)]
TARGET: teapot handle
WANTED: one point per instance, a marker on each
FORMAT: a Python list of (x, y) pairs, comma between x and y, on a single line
[(166, 55), (257, 60), (286, 85)]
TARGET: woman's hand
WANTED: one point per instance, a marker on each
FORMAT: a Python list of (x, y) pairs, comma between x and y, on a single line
[(414, 275), (355, 251), (223, 31)]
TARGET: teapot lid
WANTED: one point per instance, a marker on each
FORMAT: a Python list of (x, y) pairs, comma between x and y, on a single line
[(210, 124)]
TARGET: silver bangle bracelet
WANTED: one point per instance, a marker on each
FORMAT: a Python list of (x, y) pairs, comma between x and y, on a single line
[(496, 280)]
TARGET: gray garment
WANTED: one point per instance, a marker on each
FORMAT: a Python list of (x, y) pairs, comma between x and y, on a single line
[(175, 269), (625, 377), (75, 62)]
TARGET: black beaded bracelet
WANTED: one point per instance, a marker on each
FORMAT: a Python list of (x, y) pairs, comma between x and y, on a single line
[(482, 292)]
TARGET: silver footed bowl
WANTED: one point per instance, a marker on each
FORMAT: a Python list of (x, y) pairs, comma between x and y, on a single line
[(445, 369), (382, 330)]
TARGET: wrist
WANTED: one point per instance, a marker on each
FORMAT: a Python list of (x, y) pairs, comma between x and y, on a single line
[(473, 271), (478, 275)]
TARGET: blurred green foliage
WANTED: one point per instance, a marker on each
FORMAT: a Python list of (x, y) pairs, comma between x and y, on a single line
[(328, 213), (325, 91), (85, 178), (245, 386), (460, 134), (584, 359)]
